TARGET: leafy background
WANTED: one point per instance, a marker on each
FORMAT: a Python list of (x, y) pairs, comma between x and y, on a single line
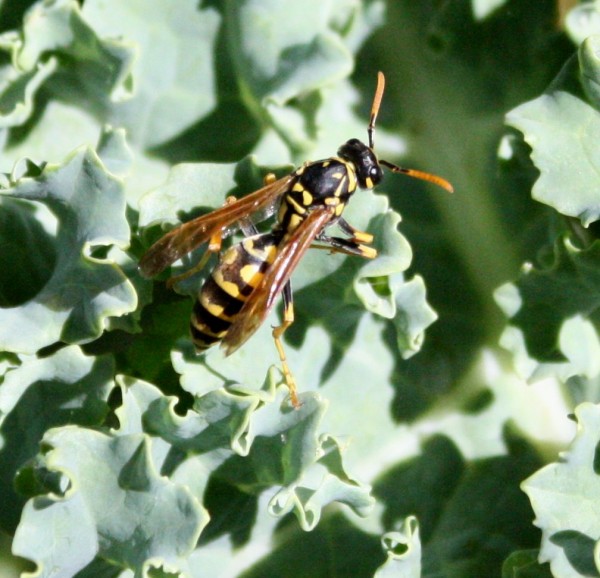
[(448, 425)]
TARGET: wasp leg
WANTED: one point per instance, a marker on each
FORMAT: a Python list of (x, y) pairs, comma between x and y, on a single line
[(247, 227), (346, 246), (214, 246), (269, 178), (355, 234), (288, 319)]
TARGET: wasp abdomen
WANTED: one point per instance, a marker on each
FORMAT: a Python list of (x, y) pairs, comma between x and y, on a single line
[(239, 271)]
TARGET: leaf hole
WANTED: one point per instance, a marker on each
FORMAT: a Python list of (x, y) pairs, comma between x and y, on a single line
[(394, 546), (380, 285)]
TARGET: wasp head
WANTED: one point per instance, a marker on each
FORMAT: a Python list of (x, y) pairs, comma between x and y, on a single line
[(368, 170)]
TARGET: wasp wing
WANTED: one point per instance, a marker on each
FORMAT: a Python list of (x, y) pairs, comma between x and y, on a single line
[(187, 237), (261, 300)]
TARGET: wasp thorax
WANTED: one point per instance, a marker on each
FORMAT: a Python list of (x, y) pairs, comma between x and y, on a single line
[(365, 162)]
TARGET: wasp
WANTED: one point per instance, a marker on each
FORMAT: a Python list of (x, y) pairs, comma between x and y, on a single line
[(249, 276)]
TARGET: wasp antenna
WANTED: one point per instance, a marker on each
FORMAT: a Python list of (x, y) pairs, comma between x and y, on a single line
[(375, 106), (439, 181)]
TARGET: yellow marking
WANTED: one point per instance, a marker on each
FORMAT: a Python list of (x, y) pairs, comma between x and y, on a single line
[(271, 253), (281, 212), (307, 198), (203, 328), (325, 163), (206, 331), (332, 201), (351, 180), (269, 178), (339, 209), (297, 207), (337, 175), (362, 237), (368, 252), (228, 286), (250, 274), (298, 188), (340, 188), (295, 220), (369, 183), (230, 256), (250, 247), (266, 254), (214, 309), (347, 164)]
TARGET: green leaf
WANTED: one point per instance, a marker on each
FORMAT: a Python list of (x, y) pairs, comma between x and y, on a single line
[(289, 47), (276, 446), (187, 187), (589, 63), (38, 394), (172, 75), (17, 96), (403, 550), (58, 28), (316, 489), (473, 518), (100, 80), (336, 547), (413, 316), (524, 564), (151, 522), (82, 291), (258, 442), (542, 300), (577, 342), (114, 151), (561, 494), (280, 55), (561, 128), (583, 21), (194, 84), (118, 79)]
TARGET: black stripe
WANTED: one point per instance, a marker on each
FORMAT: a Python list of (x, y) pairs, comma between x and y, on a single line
[(216, 295), (202, 340), (205, 318)]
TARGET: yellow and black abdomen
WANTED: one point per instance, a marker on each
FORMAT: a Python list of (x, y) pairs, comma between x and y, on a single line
[(238, 272)]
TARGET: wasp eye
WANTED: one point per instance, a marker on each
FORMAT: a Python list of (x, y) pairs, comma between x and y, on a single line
[(375, 174)]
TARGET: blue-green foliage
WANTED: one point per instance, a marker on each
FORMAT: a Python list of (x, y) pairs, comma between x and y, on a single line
[(123, 453)]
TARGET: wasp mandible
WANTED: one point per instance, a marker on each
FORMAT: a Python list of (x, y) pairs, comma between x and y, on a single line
[(242, 288)]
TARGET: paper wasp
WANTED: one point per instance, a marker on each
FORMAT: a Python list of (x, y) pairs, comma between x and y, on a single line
[(249, 276)]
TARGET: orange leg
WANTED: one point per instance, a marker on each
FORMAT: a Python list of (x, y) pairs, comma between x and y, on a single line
[(288, 319)]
